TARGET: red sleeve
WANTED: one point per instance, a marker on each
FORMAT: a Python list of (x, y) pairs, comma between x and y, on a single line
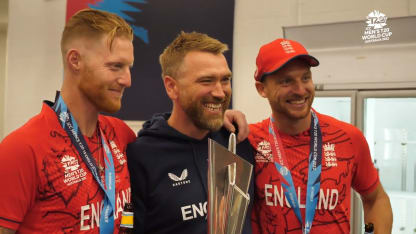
[(258, 131), (366, 178), (123, 132), (18, 180)]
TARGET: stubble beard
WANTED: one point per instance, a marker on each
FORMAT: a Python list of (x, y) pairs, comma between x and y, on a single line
[(96, 93), (294, 116), (195, 111)]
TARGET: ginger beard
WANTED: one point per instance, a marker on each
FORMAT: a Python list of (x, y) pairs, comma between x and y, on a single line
[(99, 93), (105, 73), (207, 112)]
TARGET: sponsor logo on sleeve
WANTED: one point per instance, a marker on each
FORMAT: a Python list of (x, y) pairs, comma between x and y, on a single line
[(117, 153), (264, 152)]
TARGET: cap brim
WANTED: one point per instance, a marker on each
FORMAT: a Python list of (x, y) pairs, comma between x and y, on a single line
[(312, 61)]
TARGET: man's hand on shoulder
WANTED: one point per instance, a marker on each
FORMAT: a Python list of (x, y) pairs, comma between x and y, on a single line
[(232, 117)]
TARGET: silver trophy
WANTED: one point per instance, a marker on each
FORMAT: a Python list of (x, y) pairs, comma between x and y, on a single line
[(229, 178)]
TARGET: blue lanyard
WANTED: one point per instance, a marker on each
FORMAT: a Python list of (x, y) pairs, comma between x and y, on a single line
[(314, 172), (71, 127)]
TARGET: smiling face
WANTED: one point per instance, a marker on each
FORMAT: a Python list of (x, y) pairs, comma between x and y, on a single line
[(106, 73), (204, 89), (290, 91)]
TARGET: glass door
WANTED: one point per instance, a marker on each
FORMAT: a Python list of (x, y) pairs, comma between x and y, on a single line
[(388, 121), (342, 105), (338, 104)]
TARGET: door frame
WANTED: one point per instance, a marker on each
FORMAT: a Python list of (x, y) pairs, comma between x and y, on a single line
[(342, 93), (357, 119), (362, 95)]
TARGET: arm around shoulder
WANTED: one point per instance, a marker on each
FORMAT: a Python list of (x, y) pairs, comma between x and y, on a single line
[(232, 117), (377, 210)]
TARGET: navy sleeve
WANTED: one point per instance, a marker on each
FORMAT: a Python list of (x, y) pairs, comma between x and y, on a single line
[(138, 186)]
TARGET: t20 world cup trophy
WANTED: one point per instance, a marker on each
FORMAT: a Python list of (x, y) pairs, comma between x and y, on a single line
[(229, 178)]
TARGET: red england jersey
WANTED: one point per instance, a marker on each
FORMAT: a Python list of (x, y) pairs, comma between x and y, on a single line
[(46, 186), (346, 164)]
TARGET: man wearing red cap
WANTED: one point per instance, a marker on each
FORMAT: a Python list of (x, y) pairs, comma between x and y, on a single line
[(307, 162)]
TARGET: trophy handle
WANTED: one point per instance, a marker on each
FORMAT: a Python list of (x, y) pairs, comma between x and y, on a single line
[(232, 143)]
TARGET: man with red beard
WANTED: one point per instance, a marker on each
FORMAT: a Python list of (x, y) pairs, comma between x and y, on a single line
[(307, 162), (168, 161), (65, 170)]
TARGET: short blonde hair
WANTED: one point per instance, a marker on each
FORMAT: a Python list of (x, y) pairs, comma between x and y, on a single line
[(172, 57), (91, 23)]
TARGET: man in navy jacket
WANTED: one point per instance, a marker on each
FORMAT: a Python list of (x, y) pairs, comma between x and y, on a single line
[(168, 161)]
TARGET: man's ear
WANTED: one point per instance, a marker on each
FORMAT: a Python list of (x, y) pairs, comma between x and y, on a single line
[(260, 86), (171, 87), (73, 60)]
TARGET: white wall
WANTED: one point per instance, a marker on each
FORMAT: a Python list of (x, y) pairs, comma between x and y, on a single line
[(34, 63), (4, 8), (261, 21), (2, 76), (34, 67)]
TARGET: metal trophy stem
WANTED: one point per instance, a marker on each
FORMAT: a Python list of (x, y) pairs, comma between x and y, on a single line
[(229, 178)]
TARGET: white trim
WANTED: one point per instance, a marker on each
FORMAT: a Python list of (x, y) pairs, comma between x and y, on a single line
[(134, 125)]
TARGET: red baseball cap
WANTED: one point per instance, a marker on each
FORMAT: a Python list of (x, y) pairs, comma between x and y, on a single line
[(276, 54)]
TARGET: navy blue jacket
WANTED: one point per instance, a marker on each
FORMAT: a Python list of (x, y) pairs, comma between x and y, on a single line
[(168, 173)]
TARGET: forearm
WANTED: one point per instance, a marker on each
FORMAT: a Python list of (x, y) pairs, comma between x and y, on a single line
[(379, 213)]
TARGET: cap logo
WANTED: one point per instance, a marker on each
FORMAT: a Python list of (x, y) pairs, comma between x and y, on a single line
[(287, 47)]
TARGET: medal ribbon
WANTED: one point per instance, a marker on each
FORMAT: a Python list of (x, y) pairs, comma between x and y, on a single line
[(314, 171), (70, 125)]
